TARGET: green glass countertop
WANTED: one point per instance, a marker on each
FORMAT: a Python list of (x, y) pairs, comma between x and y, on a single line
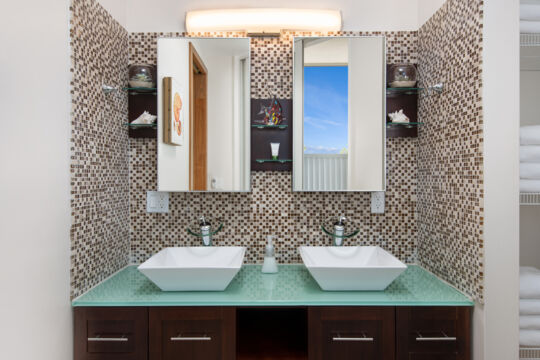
[(291, 286)]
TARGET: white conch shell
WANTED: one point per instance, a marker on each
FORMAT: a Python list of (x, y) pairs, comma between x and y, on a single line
[(145, 118), (399, 117)]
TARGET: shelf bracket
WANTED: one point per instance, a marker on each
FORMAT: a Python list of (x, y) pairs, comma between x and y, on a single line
[(437, 89), (107, 89)]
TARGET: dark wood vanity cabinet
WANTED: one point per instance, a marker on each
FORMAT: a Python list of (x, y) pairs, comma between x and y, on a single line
[(314, 333), (110, 333), (192, 333), (441, 333), (360, 333)]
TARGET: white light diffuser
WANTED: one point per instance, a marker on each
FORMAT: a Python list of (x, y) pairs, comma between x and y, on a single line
[(263, 20)]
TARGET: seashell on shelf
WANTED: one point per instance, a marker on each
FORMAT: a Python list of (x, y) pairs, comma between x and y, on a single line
[(145, 118), (398, 117)]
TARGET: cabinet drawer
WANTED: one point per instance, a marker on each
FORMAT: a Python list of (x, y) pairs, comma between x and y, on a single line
[(433, 332), (206, 333), (110, 333), (351, 333)]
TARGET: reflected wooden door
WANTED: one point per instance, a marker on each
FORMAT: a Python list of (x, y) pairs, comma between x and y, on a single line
[(198, 74)]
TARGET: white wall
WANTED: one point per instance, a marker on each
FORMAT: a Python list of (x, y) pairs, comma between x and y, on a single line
[(169, 15), (220, 163), (173, 163), (35, 218), (328, 52), (426, 8), (117, 9), (499, 321)]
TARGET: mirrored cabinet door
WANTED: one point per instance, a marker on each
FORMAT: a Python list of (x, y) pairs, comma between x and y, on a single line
[(203, 114), (339, 114)]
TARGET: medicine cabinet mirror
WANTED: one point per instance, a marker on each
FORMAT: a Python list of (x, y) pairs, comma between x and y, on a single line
[(203, 141), (339, 132)]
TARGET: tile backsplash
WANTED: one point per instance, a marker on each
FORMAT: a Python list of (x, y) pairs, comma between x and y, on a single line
[(272, 208), (271, 58), (450, 147), (434, 198), (99, 147)]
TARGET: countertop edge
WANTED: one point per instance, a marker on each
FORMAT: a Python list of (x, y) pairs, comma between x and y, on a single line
[(269, 304)]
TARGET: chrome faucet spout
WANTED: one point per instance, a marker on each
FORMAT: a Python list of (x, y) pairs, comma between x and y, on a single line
[(339, 230), (205, 232)]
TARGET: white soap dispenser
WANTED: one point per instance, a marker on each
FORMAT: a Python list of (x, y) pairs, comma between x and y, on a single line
[(270, 263)]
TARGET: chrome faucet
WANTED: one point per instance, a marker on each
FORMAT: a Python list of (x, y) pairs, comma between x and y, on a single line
[(339, 230), (205, 228)]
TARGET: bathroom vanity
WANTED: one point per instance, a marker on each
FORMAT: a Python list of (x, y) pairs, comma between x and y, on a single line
[(273, 316)]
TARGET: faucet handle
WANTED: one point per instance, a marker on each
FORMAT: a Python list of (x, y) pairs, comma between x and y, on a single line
[(342, 219)]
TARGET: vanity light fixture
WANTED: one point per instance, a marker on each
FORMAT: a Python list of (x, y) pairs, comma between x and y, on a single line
[(264, 21)]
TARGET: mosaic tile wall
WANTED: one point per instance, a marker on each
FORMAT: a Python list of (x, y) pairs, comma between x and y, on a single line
[(99, 147), (450, 156), (271, 58), (272, 208)]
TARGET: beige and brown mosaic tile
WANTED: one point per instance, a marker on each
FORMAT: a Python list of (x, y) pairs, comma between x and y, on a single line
[(450, 147), (111, 173), (272, 208), (271, 58), (99, 147)]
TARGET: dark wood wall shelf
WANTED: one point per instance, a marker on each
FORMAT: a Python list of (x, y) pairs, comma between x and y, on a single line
[(401, 131), (406, 99), (263, 135), (140, 101)]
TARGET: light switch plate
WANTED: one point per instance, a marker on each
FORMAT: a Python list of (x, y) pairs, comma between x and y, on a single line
[(216, 183), (157, 202), (377, 202)]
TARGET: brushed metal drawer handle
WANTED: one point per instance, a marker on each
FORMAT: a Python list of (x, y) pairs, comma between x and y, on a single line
[(191, 338), (98, 338), (363, 338), (436, 338)]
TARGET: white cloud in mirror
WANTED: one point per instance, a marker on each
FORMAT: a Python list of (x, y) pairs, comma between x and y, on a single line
[(263, 20)]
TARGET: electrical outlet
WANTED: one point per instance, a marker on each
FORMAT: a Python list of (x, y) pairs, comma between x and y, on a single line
[(377, 202), (157, 202)]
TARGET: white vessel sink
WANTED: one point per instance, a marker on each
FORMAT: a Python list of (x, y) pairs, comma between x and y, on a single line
[(194, 268), (338, 268)]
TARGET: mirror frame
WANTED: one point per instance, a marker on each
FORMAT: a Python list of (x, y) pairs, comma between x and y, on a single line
[(298, 111)]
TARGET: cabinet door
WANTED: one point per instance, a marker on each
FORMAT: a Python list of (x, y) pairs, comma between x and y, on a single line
[(441, 333), (192, 333), (359, 333), (113, 333)]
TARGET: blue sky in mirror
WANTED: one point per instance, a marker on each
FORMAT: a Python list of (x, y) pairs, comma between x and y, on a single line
[(325, 109)]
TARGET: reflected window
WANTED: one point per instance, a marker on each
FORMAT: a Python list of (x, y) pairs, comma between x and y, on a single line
[(339, 118), (325, 109)]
